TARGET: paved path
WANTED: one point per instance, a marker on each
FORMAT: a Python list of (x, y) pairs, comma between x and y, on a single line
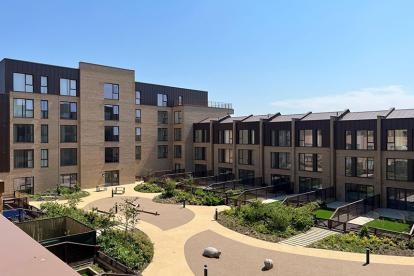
[(171, 257), (313, 235)]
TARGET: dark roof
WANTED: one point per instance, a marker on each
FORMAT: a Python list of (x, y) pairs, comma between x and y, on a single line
[(207, 120), (232, 119), (287, 118), (257, 118), (401, 114), (322, 116), (364, 115)]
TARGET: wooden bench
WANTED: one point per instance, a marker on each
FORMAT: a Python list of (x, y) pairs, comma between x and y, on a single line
[(118, 191), (100, 188)]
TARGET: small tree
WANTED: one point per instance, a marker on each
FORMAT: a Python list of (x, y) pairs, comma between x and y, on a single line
[(73, 200), (129, 209)]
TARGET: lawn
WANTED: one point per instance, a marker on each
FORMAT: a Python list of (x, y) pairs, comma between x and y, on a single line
[(323, 213), (388, 224)]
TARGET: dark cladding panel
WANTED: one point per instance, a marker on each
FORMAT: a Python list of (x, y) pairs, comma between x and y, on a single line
[(54, 74), (202, 126), (250, 126), (4, 133), (2, 76), (323, 125), (269, 126), (404, 123), (342, 126), (218, 127), (189, 96)]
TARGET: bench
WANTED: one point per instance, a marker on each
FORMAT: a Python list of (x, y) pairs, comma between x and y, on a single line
[(100, 188), (118, 191)]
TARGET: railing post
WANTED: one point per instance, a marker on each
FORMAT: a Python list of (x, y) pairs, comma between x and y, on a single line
[(205, 270), (216, 215), (367, 251)]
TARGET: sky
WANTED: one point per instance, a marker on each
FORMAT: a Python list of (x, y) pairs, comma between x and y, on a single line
[(262, 56)]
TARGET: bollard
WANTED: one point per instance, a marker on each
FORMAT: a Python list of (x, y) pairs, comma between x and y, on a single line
[(184, 203), (367, 255), (216, 215), (205, 270), (112, 192), (116, 208)]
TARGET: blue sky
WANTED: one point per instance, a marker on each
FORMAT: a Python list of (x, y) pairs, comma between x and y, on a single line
[(262, 56)]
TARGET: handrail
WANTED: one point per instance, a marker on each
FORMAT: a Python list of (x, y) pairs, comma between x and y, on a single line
[(253, 189), (221, 183), (297, 195), (412, 230), (343, 206)]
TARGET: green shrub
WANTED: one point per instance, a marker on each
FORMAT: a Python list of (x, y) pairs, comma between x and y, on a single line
[(148, 187)]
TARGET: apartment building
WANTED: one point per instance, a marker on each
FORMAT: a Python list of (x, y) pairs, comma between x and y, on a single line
[(359, 153), (92, 125)]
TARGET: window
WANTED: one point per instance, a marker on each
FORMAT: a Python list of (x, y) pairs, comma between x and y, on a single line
[(23, 133), (306, 162), (350, 166), (178, 168), (178, 117), (22, 83), (247, 177), (365, 140), (280, 160), (177, 151), (137, 97), (199, 153), (162, 152), (111, 178), (401, 199), (246, 136), (44, 109), (137, 115), (200, 135), (162, 100), (354, 192), (162, 117), (23, 108), (307, 184), (305, 138), (69, 180), (348, 140), (24, 184), (44, 134), (68, 87), (365, 167), (138, 134), (397, 139), (68, 134), (225, 156), (245, 157), (397, 169), (68, 110), (162, 134), (111, 91), (43, 85), (226, 136), (111, 133), (23, 159), (111, 155), (284, 138), (44, 158), (180, 100), (111, 112), (177, 134), (137, 152), (319, 138), (68, 157)]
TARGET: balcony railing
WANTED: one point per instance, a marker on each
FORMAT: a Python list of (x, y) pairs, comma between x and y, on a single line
[(220, 105)]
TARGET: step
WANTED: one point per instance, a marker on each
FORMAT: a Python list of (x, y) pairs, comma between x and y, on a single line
[(311, 236)]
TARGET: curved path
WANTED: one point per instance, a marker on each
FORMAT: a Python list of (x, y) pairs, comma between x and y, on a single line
[(178, 249)]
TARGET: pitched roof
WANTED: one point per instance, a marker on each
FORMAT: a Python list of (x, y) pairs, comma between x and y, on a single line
[(257, 118), (364, 115), (287, 118), (322, 116), (232, 119), (401, 114), (207, 120)]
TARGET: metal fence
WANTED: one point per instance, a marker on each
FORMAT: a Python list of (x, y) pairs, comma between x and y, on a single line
[(355, 209), (324, 195), (112, 264), (250, 195), (208, 180)]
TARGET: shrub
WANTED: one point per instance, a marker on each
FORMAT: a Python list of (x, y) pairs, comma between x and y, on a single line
[(148, 187)]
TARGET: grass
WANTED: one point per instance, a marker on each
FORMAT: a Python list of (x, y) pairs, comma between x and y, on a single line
[(323, 213), (389, 224)]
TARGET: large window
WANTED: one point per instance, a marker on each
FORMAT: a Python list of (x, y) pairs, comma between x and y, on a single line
[(137, 115), (162, 100), (111, 91), (111, 178), (247, 177), (111, 133), (44, 134), (24, 184), (307, 184), (306, 162), (200, 136), (163, 117), (44, 158), (402, 199), (225, 136), (162, 134), (111, 155), (162, 152), (225, 156), (354, 192), (23, 159), (348, 140), (397, 169), (284, 138), (137, 97), (319, 138), (359, 166), (199, 153), (67, 87), (22, 83), (397, 139), (68, 157), (137, 152), (68, 134), (365, 140), (138, 134), (68, 110), (305, 138), (111, 112), (280, 160), (178, 117), (23, 108), (23, 133), (69, 180), (177, 134), (177, 151), (44, 109), (245, 157), (246, 136), (43, 85)]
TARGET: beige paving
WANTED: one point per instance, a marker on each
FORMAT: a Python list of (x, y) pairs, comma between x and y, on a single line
[(170, 259)]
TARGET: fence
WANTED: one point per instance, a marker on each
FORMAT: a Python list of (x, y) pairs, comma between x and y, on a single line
[(250, 195), (111, 264), (208, 180), (324, 195), (355, 209)]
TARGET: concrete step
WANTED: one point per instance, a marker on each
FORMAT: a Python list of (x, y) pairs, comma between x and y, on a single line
[(313, 235)]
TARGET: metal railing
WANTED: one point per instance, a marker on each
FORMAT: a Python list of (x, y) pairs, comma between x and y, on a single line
[(324, 195), (355, 209), (220, 105)]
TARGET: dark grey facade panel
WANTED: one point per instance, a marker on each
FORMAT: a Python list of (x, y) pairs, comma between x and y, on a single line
[(189, 96), (2, 77), (54, 74), (4, 133), (270, 126), (323, 125), (342, 126), (219, 127), (249, 126), (389, 124), (202, 126)]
